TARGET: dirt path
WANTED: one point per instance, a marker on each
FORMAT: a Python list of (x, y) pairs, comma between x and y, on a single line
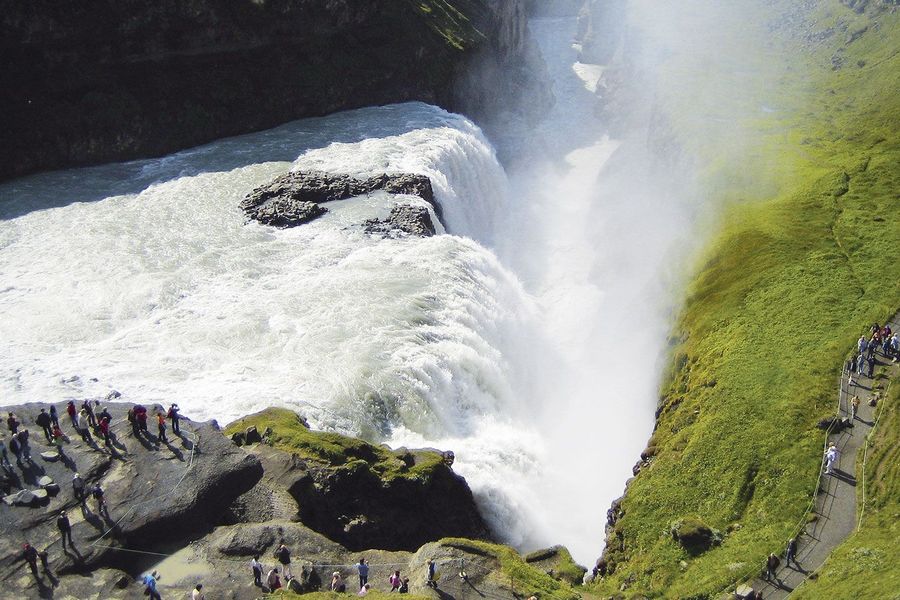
[(835, 509)]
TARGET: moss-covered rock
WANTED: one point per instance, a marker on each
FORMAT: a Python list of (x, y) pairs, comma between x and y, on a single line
[(362, 495), (694, 535)]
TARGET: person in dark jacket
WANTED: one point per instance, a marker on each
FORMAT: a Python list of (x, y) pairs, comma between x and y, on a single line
[(174, 417), (790, 553), (65, 528), (43, 420), (284, 557), (13, 423), (54, 417), (772, 566), (31, 557)]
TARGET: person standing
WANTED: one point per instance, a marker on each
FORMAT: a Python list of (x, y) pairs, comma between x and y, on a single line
[(16, 448), (54, 417), (862, 344), (284, 557), (78, 488), (43, 420), (174, 417), (257, 571), (272, 580), (4, 457), (197, 594), (337, 583), (854, 407), (432, 582), (871, 363), (790, 553), (772, 566), (161, 429), (395, 581), (363, 570), (13, 423), (31, 557), (150, 586), (82, 425), (404, 586), (97, 493), (72, 412), (104, 430), (22, 436), (89, 411), (830, 458), (65, 528)]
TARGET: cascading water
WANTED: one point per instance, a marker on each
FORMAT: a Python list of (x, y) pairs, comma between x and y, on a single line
[(508, 342)]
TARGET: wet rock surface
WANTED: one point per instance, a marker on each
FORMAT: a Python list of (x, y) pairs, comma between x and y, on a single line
[(295, 198), (157, 494), (403, 219)]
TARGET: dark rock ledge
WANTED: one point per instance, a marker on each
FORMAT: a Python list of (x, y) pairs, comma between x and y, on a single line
[(296, 198)]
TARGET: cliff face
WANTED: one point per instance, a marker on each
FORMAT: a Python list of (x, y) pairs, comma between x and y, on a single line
[(88, 83)]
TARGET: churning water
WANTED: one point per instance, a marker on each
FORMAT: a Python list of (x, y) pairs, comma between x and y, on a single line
[(517, 340)]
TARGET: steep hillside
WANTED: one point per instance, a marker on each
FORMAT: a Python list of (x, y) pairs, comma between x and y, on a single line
[(803, 262), (103, 81)]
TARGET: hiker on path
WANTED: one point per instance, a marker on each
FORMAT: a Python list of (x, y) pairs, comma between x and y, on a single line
[(78, 488), (13, 423), (132, 418), (395, 581), (45, 566), (54, 417), (771, 566), (362, 568), (65, 528), (31, 557), (895, 346), (790, 553), (861, 364), (149, 582), (257, 571), (862, 344), (284, 557), (831, 455), (197, 594), (72, 411), (43, 420), (272, 580), (161, 427), (81, 420), (174, 416), (854, 407), (404, 586), (103, 414)]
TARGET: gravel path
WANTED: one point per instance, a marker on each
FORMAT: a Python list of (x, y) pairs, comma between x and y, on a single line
[(835, 509)]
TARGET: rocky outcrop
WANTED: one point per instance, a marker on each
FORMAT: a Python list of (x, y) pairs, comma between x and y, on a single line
[(601, 25), (157, 493), (360, 495), (295, 198), (404, 219), (119, 80)]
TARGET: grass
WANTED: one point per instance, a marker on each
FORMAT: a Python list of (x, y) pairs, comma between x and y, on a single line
[(331, 449), (804, 260), (372, 595), (866, 565), (524, 579)]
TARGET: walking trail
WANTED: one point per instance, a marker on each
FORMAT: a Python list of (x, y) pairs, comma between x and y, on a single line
[(835, 508)]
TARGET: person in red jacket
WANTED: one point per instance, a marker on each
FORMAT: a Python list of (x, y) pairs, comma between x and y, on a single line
[(104, 430)]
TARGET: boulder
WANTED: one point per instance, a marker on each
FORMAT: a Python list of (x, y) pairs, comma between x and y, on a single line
[(295, 197), (238, 438), (694, 535), (50, 455), (403, 219), (252, 436)]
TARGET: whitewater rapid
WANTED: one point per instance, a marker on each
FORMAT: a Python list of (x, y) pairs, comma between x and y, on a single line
[(524, 337)]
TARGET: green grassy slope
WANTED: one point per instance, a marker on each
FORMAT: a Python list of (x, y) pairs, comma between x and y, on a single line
[(867, 565), (778, 299)]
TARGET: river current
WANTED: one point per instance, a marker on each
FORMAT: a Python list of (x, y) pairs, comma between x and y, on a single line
[(525, 337)]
